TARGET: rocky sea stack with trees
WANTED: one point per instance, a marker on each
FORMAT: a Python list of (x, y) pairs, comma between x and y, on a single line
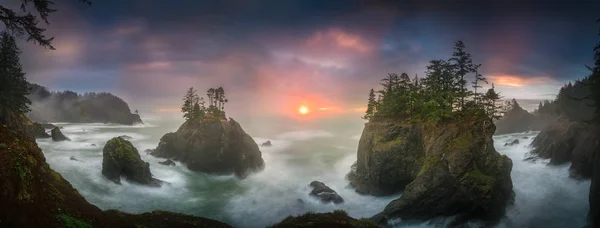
[(431, 138), (208, 142)]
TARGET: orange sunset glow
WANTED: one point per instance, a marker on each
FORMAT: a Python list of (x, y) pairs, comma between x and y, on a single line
[(303, 110)]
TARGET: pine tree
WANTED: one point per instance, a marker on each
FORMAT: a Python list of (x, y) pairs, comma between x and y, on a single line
[(476, 84), (370, 106), (491, 103), (13, 85), (189, 102), (462, 64)]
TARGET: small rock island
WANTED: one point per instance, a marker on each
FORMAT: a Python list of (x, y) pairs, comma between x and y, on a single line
[(208, 142)]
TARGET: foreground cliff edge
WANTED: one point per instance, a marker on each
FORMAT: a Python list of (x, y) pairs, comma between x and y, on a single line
[(445, 169)]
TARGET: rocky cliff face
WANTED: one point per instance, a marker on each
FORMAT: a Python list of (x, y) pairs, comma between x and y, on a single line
[(568, 141), (121, 158), (444, 169), (594, 214), (69, 106), (33, 195), (212, 145)]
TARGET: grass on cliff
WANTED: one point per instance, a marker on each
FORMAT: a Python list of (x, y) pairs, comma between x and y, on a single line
[(70, 222)]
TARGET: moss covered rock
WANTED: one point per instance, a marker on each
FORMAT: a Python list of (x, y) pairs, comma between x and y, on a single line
[(447, 169), (212, 145), (389, 156), (121, 158), (333, 219), (57, 135), (37, 130)]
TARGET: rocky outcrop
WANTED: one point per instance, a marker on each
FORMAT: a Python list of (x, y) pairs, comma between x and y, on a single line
[(514, 142), (267, 143), (212, 145), (444, 169), (121, 158), (518, 120), (33, 195), (38, 131), (167, 162), (324, 193), (57, 135), (334, 219), (71, 107), (567, 141)]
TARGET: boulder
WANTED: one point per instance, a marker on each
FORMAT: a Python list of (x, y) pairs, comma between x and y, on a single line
[(212, 145), (267, 143), (121, 158), (447, 169), (72, 158), (57, 135), (167, 162), (48, 126), (514, 142), (324, 193), (38, 131)]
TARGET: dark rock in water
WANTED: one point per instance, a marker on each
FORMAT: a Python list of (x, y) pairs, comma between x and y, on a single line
[(267, 143), (48, 126), (324, 193), (514, 142), (92, 144), (149, 151), (126, 137), (120, 158), (449, 169), (72, 158), (525, 137), (38, 131), (167, 162), (212, 145), (58, 136), (300, 201)]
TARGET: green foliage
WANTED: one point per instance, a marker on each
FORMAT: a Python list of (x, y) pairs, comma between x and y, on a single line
[(70, 222), (194, 107), (441, 95), (13, 85), (3, 146)]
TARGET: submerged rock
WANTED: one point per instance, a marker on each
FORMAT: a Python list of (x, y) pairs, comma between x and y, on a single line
[(449, 169), (167, 162), (38, 131), (212, 145), (267, 143), (120, 158), (324, 193), (57, 135), (72, 158), (514, 142)]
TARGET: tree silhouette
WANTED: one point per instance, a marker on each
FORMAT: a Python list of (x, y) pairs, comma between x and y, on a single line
[(462, 64), (370, 106), (13, 85), (190, 100), (26, 24)]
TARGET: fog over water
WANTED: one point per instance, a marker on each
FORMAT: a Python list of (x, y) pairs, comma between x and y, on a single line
[(301, 153)]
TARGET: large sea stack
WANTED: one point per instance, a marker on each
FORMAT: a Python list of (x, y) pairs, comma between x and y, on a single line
[(212, 145), (445, 169), (121, 158)]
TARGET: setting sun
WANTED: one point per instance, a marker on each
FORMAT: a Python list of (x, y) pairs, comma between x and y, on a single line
[(303, 110)]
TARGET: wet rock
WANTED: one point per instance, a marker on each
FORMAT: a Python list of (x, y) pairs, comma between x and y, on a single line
[(267, 143), (167, 162), (514, 142), (121, 158), (126, 137), (92, 144), (72, 158), (212, 145), (38, 131), (525, 137), (324, 193), (57, 135)]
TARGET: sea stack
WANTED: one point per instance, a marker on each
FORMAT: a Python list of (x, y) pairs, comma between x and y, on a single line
[(212, 145), (121, 158)]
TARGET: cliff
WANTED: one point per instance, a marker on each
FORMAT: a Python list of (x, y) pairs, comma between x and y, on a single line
[(212, 145), (33, 195), (71, 107), (444, 169)]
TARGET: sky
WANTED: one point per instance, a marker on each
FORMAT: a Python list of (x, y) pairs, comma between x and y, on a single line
[(272, 56)]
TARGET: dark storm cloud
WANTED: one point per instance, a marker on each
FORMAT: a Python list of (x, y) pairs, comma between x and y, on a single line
[(338, 49)]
